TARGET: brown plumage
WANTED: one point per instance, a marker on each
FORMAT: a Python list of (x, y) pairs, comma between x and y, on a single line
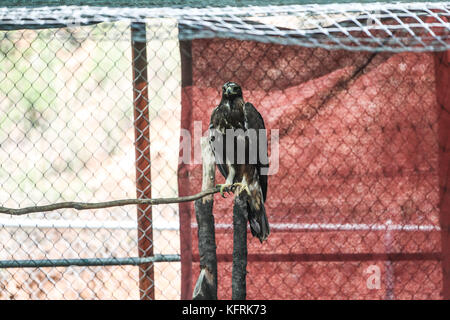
[(239, 142)]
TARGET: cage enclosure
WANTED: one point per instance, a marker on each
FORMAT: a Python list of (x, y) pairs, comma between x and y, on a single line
[(105, 100)]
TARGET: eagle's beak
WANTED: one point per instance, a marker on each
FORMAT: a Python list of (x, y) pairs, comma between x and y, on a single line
[(229, 91)]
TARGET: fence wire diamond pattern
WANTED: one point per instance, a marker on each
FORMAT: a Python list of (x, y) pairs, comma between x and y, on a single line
[(92, 103)]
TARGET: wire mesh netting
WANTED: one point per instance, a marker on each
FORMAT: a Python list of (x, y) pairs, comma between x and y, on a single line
[(67, 133), (358, 170), (355, 97)]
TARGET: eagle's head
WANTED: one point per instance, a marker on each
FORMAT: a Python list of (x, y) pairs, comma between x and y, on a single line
[(231, 90)]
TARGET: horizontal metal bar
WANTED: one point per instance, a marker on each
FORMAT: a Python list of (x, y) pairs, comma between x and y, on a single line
[(174, 226), (331, 257), (83, 224), (134, 261), (305, 227)]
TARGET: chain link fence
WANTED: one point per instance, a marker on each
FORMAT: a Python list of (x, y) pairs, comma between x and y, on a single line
[(67, 134), (355, 97), (356, 194)]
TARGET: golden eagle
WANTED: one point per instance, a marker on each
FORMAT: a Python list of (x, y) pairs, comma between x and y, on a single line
[(239, 142)]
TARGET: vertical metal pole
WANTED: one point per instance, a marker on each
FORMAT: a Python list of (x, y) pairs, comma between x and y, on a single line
[(142, 148), (183, 170), (442, 71)]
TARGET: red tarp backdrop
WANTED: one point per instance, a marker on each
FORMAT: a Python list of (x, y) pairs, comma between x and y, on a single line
[(359, 169)]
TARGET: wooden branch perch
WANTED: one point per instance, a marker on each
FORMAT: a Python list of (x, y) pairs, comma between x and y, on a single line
[(206, 285), (106, 204)]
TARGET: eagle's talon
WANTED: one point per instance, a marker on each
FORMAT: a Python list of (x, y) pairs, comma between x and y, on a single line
[(224, 188), (239, 187)]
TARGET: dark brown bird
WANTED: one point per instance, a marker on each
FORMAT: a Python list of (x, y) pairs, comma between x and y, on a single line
[(239, 143)]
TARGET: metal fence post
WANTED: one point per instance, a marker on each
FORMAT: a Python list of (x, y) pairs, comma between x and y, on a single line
[(142, 148), (442, 68), (183, 171)]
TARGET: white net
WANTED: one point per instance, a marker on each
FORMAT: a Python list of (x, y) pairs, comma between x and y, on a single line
[(369, 26)]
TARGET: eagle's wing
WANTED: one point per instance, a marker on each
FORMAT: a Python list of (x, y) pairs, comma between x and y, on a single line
[(213, 141), (254, 120)]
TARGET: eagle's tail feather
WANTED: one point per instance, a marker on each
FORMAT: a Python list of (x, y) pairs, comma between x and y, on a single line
[(259, 225), (257, 217)]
